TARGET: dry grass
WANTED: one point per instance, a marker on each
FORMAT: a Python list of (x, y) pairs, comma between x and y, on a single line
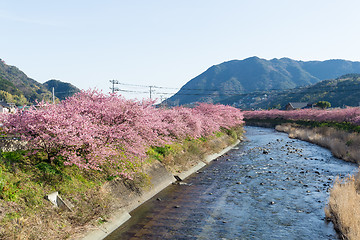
[(53, 223), (344, 207), (344, 145)]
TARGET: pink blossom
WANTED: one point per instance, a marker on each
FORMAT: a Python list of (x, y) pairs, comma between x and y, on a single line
[(93, 130), (350, 115)]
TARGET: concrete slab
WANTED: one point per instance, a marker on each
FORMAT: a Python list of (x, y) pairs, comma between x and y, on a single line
[(187, 173), (211, 157), (113, 223)]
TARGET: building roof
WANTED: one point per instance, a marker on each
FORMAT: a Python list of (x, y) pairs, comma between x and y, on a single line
[(4, 104), (299, 105)]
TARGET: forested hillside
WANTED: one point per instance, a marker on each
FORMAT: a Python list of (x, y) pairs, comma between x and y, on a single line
[(340, 92), (16, 87), (238, 77), (62, 89)]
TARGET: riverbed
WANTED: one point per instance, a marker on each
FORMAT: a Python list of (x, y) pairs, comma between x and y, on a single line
[(268, 187)]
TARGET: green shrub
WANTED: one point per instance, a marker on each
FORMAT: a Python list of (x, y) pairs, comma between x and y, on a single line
[(9, 190), (159, 153)]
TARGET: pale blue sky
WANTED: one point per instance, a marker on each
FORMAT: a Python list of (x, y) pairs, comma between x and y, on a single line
[(167, 43)]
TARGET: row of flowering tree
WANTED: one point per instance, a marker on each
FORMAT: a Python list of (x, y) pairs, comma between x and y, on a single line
[(347, 115), (93, 130)]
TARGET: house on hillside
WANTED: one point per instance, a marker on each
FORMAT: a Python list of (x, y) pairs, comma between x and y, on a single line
[(298, 105), (6, 107)]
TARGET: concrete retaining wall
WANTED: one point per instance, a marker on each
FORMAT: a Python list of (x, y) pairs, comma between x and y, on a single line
[(131, 196)]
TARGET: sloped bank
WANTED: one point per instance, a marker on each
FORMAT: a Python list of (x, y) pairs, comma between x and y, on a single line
[(76, 147), (128, 195)]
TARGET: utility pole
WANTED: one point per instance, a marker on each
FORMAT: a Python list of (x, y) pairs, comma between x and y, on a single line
[(53, 93), (113, 85), (150, 90)]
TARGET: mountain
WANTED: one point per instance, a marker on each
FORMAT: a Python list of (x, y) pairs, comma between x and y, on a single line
[(62, 90), (16, 83), (16, 87), (237, 77), (342, 91)]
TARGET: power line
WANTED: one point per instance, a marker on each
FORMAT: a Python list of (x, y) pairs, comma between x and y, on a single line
[(129, 91), (230, 93), (114, 89), (216, 89), (68, 91), (138, 85), (227, 93)]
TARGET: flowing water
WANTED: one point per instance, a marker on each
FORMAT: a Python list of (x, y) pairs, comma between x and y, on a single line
[(268, 187)]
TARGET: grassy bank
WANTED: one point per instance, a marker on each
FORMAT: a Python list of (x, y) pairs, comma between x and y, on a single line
[(25, 180)]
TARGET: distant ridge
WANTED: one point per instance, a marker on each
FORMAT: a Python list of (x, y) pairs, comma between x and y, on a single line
[(236, 77), (340, 92), (16, 87), (62, 89), (15, 82)]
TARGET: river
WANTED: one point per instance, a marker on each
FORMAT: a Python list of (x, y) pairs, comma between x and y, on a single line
[(268, 187)]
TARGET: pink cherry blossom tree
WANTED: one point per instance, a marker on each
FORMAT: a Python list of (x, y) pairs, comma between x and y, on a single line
[(349, 115), (93, 130)]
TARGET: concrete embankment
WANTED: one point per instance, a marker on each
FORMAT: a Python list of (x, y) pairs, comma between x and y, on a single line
[(129, 194), (342, 144)]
